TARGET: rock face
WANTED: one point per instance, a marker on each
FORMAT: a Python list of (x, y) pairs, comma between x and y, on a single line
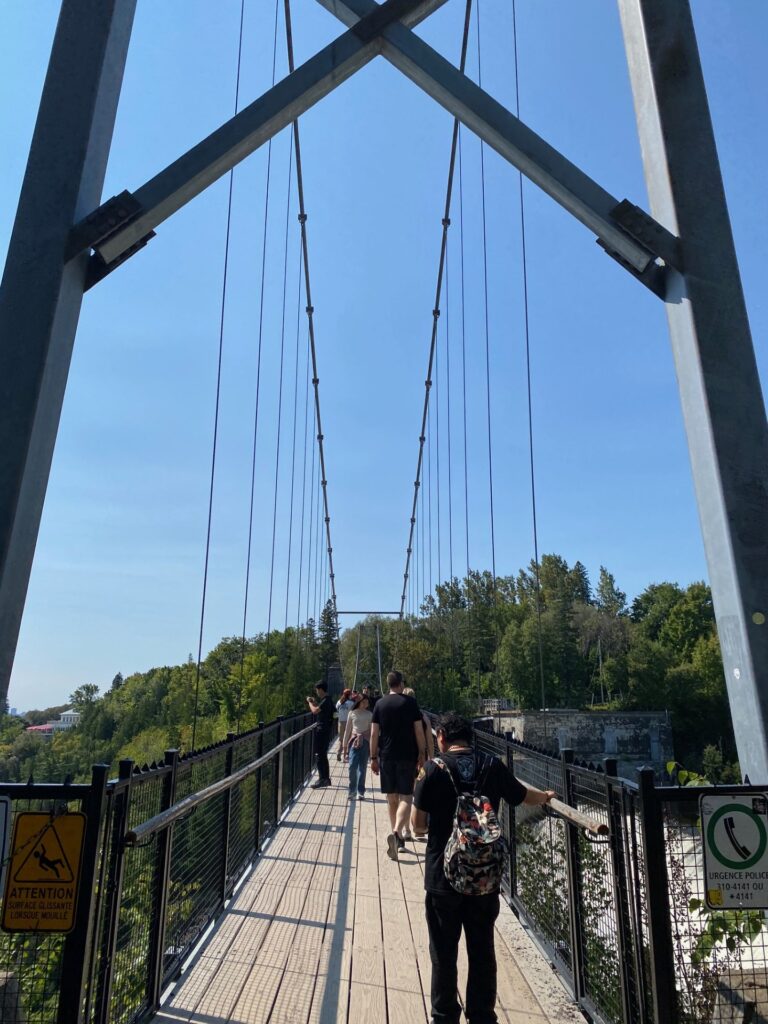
[(11, 1011), (742, 998)]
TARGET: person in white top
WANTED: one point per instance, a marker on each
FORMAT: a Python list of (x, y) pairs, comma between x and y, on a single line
[(357, 745), (343, 707)]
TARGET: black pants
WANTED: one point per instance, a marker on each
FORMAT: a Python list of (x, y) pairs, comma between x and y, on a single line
[(447, 913), (322, 739)]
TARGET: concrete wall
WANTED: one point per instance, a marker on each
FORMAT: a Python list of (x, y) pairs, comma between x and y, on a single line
[(634, 738)]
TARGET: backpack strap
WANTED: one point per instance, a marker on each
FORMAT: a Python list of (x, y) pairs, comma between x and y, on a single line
[(447, 769)]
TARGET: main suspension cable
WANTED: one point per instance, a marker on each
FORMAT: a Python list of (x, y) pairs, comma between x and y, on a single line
[(280, 391), (218, 399), (310, 319), (435, 316)]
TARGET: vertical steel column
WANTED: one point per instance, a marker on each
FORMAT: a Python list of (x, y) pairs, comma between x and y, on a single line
[(41, 294), (716, 369), (76, 958)]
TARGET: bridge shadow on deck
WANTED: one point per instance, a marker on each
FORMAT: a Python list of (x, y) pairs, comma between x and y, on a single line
[(327, 930)]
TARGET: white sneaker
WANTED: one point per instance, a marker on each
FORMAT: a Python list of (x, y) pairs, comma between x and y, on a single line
[(407, 833)]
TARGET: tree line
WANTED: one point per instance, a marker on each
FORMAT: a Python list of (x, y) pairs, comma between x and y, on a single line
[(545, 637)]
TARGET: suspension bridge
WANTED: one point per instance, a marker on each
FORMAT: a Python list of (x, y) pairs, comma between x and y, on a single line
[(215, 886)]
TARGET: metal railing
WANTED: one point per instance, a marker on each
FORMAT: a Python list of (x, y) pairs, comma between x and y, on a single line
[(610, 882), (622, 917), (165, 847)]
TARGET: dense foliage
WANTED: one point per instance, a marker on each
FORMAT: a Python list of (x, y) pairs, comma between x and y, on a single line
[(552, 641), (240, 684), (559, 642)]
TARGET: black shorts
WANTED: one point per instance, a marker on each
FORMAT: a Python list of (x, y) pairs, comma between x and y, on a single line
[(397, 776)]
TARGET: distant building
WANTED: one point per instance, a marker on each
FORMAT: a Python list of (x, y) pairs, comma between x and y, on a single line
[(635, 739), (67, 720)]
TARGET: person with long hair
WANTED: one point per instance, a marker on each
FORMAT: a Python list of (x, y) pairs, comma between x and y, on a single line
[(357, 745)]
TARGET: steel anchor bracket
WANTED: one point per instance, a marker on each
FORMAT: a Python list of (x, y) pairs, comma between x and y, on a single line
[(98, 227)]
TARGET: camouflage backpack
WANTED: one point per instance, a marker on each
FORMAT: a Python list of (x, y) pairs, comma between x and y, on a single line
[(476, 851)]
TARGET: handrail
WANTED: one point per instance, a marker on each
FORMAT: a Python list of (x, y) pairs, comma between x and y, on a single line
[(165, 818), (578, 818)]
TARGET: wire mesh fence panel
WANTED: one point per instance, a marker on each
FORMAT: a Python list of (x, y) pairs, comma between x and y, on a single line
[(30, 962), (598, 900), (130, 967), (198, 850), (268, 813), (721, 952), (242, 835), (541, 873)]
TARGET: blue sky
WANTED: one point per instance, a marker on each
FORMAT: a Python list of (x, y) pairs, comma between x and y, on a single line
[(117, 579)]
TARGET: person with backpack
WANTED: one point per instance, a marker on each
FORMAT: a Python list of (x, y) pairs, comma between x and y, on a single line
[(461, 791)]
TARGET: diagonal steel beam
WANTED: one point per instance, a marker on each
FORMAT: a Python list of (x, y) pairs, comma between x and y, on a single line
[(122, 225), (635, 243)]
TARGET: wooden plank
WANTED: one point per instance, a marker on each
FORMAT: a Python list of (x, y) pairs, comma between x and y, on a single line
[(244, 929)]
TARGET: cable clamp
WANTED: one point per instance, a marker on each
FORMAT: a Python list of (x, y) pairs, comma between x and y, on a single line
[(302, 218), (315, 381), (435, 313), (446, 222), (310, 310)]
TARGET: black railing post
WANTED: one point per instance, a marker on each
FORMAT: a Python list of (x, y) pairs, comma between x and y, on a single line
[(257, 810), (277, 770), (575, 901), (77, 945), (160, 889), (228, 762), (657, 901), (511, 823), (114, 891), (621, 897)]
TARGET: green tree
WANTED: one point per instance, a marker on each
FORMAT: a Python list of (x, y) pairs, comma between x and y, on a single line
[(608, 597)]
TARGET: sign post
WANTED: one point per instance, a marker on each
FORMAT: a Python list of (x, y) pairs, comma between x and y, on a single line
[(735, 832), (44, 872)]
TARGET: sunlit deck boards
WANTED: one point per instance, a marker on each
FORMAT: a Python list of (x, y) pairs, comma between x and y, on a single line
[(327, 930)]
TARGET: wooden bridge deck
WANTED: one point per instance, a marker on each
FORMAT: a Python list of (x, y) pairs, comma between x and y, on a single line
[(327, 930)]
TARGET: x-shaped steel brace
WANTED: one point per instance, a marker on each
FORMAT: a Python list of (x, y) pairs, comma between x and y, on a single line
[(123, 224)]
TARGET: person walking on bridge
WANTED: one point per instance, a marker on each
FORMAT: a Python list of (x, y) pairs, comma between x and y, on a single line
[(397, 737), (459, 769)]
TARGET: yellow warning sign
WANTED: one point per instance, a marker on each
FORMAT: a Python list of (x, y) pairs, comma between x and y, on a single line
[(43, 874)]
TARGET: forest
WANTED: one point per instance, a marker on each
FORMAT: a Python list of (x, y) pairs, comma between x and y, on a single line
[(545, 637)]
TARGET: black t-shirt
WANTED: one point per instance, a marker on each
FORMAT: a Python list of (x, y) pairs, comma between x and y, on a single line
[(395, 715), (325, 714), (434, 793)]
